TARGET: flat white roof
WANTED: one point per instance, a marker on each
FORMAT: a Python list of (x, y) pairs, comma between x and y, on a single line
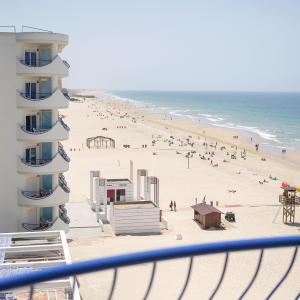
[(118, 180), (133, 204), (24, 252)]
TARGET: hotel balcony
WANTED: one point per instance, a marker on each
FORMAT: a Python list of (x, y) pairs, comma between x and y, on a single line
[(58, 132), (53, 100), (56, 197), (42, 38), (57, 224), (58, 164), (42, 67)]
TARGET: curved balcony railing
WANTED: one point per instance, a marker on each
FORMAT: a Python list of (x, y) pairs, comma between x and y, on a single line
[(40, 96), (37, 195), (63, 184), (63, 153), (58, 131), (42, 226), (43, 162), (36, 162), (43, 194), (44, 198), (62, 177), (171, 253), (66, 63), (58, 164), (63, 208), (35, 130), (63, 216), (43, 67), (51, 100), (41, 62), (36, 96), (43, 130), (67, 96), (36, 62), (63, 123)]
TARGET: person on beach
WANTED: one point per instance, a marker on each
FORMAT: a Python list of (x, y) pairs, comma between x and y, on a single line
[(171, 205), (174, 205)]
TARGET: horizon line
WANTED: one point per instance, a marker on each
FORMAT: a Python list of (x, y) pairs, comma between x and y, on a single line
[(183, 90)]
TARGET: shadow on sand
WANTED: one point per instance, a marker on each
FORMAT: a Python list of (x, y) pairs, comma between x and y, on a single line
[(221, 227), (138, 234)]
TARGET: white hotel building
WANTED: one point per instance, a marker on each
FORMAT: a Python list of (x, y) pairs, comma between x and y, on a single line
[(33, 190)]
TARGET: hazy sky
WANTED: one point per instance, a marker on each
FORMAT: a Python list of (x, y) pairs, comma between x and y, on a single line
[(172, 44)]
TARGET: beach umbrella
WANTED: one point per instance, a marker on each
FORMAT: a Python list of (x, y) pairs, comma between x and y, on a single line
[(284, 184), (298, 189)]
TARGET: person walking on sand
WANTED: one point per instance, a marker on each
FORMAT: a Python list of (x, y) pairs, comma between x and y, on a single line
[(174, 205), (171, 205)]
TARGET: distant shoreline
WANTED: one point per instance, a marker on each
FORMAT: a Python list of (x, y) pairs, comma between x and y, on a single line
[(292, 156)]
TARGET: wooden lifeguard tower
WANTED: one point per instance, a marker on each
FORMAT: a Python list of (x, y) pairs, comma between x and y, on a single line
[(288, 201)]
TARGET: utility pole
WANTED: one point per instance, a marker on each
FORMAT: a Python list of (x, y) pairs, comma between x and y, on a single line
[(188, 159)]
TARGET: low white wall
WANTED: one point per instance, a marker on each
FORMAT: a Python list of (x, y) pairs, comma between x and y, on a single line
[(134, 221)]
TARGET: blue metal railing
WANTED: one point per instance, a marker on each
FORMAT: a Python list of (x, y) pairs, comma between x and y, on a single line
[(153, 256)]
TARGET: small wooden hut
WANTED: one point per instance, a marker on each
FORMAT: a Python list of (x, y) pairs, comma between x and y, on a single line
[(207, 215)]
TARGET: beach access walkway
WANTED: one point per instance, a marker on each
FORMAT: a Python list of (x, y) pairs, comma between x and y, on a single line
[(81, 215)]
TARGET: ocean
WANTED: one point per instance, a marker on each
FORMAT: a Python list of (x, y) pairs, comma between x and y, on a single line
[(270, 119)]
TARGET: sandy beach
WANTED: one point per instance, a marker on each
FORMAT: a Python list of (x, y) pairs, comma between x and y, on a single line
[(216, 171)]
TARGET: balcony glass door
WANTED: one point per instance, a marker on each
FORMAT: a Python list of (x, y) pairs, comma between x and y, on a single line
[(31, 123), (46, 119), (30, 90), (46, 214), (46, 152), (30, 58), (46, 183), (45, 56), (31, 156), (45, 88)]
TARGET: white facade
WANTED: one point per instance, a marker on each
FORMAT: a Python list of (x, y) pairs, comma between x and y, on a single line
[(115, 190), (103, 190), (33, 190), (138, 217)]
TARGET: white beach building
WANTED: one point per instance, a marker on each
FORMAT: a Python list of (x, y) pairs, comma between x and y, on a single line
[(33, 190), (114, 202)]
